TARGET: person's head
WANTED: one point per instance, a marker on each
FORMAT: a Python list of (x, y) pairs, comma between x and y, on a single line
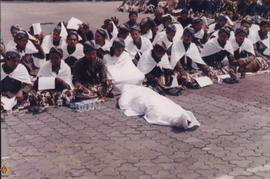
[(100, 36), (56, 55), (21, 39), (123, 31), (265, 26), (246, 23), (184, 14), (170, 32), (118, 47), (72, 39), (12, 59), (135, 33), (240, 35), (56, 34), (133, 16), (197, 24), (89, 51), (159, 51), (145, 25), (166, 20), (221, 20), (223, 35), (188, 35), (14, 29), (108, 25), (159, 12)]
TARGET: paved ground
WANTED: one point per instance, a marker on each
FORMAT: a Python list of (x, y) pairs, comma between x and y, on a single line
[(233, 141)]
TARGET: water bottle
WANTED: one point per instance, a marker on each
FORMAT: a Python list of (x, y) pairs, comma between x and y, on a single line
[(59, 102)]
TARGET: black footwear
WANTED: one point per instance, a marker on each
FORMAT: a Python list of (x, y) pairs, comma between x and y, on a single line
[(230, 80), (192, 85), (173, 91)]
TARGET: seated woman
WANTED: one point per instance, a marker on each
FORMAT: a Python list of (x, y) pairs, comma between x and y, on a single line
[(218, 53), (120, 68), (27, 50), (157, 69), (187, 62), (73, 50), (15, 79), (138, 45), (89, 74), (103, 45)]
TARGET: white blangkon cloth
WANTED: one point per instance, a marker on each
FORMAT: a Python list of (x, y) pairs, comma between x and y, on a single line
[(245, 46), (64, 72), (147, 63), (20, 73), (133, 50), (212, 47), (78, 53), (122, 70), (157, 109), (47, 43), (178, 51)]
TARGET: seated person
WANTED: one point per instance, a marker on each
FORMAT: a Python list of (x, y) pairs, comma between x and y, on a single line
[(53, 40), (13, 31), (167, 38), (15, 79), (200, 35), (133, 17), (120, 68), (218, 53), (244, 52), (186, 60), (72, 50), (58, 69), (103, 45), (145, 26), (184, 18), (27, 50), (155, 65), (89, 73), (110, 28), (138, 45), (85, 33), (220, 22)]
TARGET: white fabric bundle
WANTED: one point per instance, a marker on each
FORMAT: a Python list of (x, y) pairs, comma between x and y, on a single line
[(122, 70), (20, 73), (156, 109)]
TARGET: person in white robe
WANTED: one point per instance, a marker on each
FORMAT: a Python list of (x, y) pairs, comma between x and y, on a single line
[(72, 50), (120, 68), (167, 38), (138, 45), (15, 81), (155, 108), (124, 33), (57, 69), (30, 51), (145, 27), (200, 35), (155, 65), (102, 43), (111, 28), (53, 40), (187, 62)]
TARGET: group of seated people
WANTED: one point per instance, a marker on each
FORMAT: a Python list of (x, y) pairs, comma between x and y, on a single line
[(165, 53)]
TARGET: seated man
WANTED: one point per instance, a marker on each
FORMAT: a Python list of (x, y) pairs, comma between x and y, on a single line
[(156, 67), (103, 45), (58, 69), (218, 53), (73, 50), (133, 17), (89, 73), (200, 35), (243, 51), (138, 45), (27, 50), (187, 62), (15, 79)]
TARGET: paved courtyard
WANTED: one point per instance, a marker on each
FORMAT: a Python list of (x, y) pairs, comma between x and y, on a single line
[(233, 141)]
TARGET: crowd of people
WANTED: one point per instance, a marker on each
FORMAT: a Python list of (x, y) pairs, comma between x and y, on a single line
[(165, 54)]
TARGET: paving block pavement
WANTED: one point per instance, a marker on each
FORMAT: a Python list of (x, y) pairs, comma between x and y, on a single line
[(232, 142)]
